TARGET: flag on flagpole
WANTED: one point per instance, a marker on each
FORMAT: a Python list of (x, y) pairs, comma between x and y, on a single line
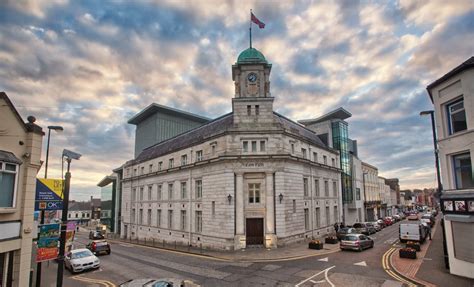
[(254, 19)]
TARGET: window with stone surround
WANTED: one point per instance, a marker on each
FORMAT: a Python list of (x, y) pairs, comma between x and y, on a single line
[(318, 217), (456, 116), (142, 169), (150, 187), (183, 219), (148, 220), (326, 188), (140, 216), (245, 146), (249, 110), (315, 156), (213, 208), (198, 221), (150, 168), (303, 153), (170, 191), (198, 189), (334, 188), (171, 163), (306, 219), (254, 146), (305, 187), (257, 110), (316, 187), (328, 217), (158, 218), (160, 165), (141, 193), (184, 190), (254, 192), (262, 145), (294, 205), (133, 215), (184, 159), (170, 219), (463, 175), (160, 191), (199, 155), (325, 159)]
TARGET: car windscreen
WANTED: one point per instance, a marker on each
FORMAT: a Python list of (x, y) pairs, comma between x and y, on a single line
[(351, 238), (81, 254)]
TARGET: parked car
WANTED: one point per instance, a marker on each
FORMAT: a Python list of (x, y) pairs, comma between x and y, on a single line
[(412, 231), (391, 219), (356, 242), (396, 217), (344, 231), (428, 218), (361, 227), (387, 221), (377, 226), (370, 227), (99, 246), (81, 259), (94, 235), (412, 217), (381, 223)]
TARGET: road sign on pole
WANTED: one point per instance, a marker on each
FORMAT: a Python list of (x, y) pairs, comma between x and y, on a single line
[(49, 194)]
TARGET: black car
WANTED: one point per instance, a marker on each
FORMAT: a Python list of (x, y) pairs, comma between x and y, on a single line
[(99, 246), (344, 231), (94, 235)]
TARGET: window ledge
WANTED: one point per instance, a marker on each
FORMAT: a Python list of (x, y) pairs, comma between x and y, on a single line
[(458, 134), (8, 210)]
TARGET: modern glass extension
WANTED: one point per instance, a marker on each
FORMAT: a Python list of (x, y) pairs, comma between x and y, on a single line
[(340, 138)]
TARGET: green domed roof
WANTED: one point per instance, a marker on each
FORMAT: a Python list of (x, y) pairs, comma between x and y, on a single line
[(251, 55)]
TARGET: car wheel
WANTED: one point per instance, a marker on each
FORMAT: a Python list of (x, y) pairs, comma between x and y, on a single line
[(108, 252), (360, 249), (372, 245)]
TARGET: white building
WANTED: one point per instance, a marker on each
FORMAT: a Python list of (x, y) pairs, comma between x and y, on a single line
[(453, 99), (250, 177), (371, 192)]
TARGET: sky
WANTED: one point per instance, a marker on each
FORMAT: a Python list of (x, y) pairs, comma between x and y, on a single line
[(89, 66)]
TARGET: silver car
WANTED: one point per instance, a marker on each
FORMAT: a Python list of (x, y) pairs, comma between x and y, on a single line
[(81, 259), (356, 242)]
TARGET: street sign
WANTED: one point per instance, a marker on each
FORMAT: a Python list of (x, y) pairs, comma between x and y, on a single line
[(47, 244), (49, 194)]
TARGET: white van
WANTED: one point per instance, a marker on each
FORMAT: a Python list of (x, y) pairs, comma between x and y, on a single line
[(412, 231)]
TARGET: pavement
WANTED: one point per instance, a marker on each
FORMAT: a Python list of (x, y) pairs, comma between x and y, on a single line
[(293, 251), (428, 269)]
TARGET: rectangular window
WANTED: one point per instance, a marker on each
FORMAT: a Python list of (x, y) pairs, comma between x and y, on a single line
[(142, 169), (318, 217), (257, 110), (262, 145), (170, 219), (198, 221), (213, 208), (141, 193), (328, 216), (184, 159), (294, 205), (160, 191), (456, 116), (315, 156), (184, 190), (245, 146), (306, 219), (140, 216), (183, 219), (254, 192), (134, 172), (463, 171), (213, 149), (134, 194), (292, 148), (334, 189), (316, 187), (133, 215), (254, 146), (305, 187), (199, 155), (160, 165), (149, 191), (150, 168), (170, 191), (148, 220), (325, 159), (333, 162), (326, 188), (249, 110), (303, 152), (158, 218), (198, 188), (171, 163), (357, 193)]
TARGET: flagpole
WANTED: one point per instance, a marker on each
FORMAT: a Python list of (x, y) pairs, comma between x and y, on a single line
[(250, 29)]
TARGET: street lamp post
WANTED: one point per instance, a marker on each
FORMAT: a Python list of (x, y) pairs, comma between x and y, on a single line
[(58, 129), (440, 186), (68, 155)]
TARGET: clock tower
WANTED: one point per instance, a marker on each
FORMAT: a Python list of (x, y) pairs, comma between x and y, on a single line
[(252, 102)]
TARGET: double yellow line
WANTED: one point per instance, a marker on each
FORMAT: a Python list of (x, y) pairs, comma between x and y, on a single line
[(388, 268), (96, 281)]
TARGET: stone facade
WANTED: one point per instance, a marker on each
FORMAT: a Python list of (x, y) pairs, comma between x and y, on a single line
[(246, 178)]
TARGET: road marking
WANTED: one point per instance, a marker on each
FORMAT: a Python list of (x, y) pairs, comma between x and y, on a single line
[(90, 280), (326, 259), (362, 263), (388, 270), (325, 271)]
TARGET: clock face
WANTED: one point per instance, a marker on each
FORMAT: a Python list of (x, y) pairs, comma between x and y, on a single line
[(252, 77)]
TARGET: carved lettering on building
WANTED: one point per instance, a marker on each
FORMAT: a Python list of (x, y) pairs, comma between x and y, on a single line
[(253, 164)]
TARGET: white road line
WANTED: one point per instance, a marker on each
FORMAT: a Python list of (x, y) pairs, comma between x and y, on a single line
[(326, 276), (325, 271)]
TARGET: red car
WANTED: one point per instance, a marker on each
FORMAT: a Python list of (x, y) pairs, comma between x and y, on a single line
[(388, 221)]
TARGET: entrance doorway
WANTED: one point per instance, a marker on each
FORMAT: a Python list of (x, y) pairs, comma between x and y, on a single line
[(254, 231)]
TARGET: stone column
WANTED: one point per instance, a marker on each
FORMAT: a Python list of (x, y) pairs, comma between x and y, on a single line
[(270, 238), (239, 239)]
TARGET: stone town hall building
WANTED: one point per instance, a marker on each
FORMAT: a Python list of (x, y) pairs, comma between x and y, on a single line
[(249, 177)]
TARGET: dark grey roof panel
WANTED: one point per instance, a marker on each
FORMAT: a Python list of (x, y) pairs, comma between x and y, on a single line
[(7, 156), (299, 130), (154, 108), (339, 113)]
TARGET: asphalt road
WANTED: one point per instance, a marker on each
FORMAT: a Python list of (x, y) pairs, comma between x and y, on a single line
[(127, 261)]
